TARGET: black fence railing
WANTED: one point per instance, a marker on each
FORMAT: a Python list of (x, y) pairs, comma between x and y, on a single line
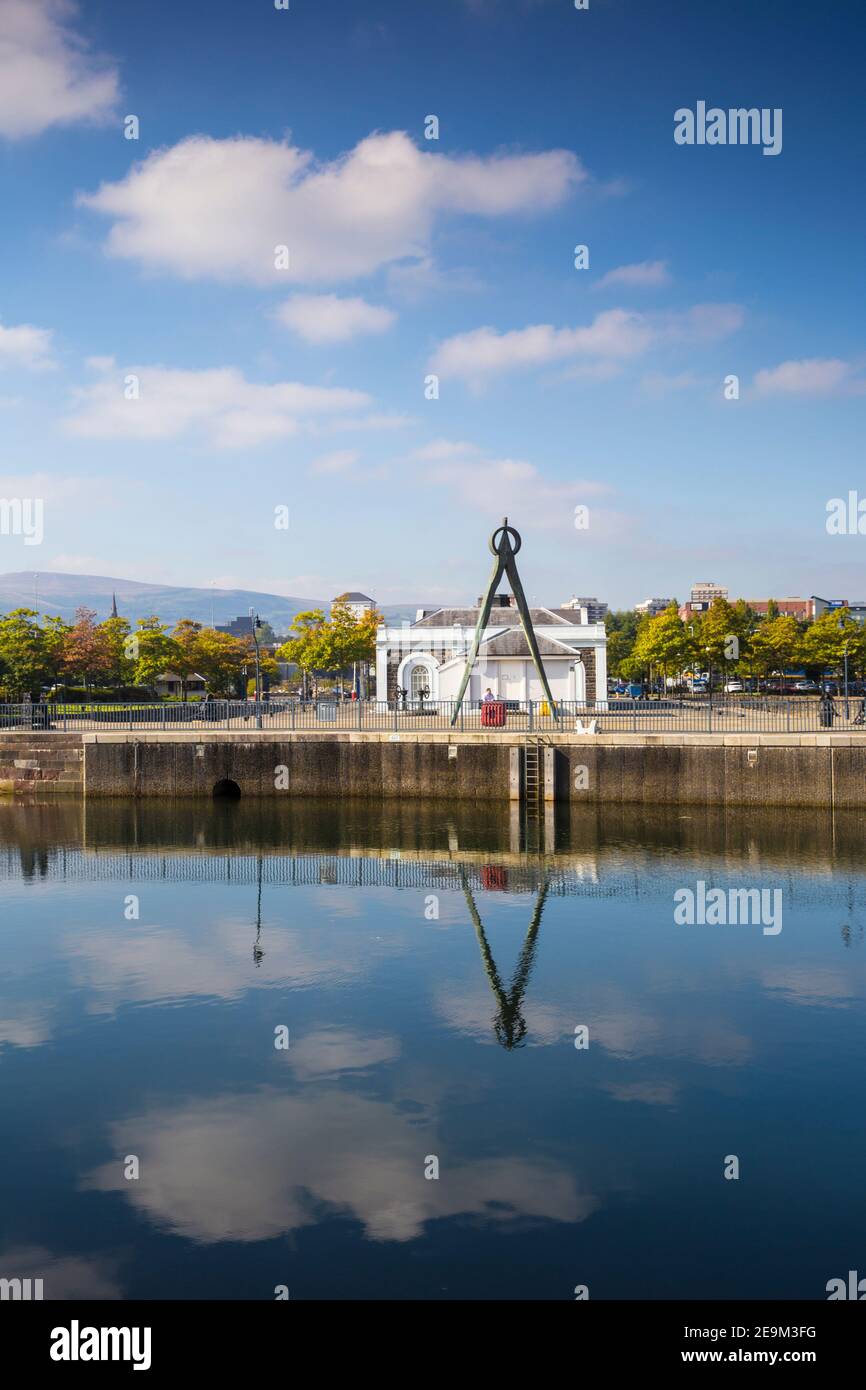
[(721, 714)]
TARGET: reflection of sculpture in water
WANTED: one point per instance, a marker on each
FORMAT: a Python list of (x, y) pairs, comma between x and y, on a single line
[(509, 1024), (257, 948)]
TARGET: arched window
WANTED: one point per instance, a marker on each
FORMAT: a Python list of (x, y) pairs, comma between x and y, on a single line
[(420, 681)]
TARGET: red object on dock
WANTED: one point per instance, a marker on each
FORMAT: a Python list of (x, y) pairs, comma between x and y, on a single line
[(493, 714)]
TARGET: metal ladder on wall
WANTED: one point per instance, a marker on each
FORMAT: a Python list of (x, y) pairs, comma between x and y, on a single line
[(533, 792)]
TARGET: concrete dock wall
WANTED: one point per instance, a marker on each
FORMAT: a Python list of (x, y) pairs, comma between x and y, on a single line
[(807, 770), (303, 766)]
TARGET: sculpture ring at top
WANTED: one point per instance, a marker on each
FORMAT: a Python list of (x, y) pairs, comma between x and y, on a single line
[(495, 543)]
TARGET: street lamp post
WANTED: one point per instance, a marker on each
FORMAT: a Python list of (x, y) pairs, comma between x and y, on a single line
[(255, 623), (846, 681)]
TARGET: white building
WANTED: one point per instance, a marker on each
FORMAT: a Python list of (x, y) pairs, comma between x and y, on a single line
[(653, 606), (430, 655), (358, 604), (707, 593), (596, 611)]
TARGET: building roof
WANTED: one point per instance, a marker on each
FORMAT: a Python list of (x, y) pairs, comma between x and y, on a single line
[(499, 617), (353, 598), (515, 644)]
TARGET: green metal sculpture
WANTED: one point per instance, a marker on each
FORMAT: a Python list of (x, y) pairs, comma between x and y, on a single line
[(501, 545)]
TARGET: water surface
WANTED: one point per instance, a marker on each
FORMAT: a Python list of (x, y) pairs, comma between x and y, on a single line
[(431, 971)]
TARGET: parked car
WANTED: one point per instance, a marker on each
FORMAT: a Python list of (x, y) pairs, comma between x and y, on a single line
[(806, 688), (733, 687)]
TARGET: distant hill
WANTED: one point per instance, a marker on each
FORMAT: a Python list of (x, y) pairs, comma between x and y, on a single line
[(62, 594)]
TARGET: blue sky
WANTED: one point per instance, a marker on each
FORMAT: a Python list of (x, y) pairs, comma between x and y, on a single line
[(261, 387)]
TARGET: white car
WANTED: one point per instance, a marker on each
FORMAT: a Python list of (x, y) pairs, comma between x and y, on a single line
[(733, 687)]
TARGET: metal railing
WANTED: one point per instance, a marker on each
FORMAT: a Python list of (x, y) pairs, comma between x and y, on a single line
[(722, 714)]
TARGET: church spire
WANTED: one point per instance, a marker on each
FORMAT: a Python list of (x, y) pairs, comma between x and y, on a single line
[(114, 605)]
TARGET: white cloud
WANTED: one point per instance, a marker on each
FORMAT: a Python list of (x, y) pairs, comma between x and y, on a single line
[(414, 281), (325, 318), (483, 351), (25, 346), (338, 462), (440, 450), (330, 1148), (219, 404), (519, 487), (615, 334), (660, 384), (371, 422), (47, 77), (208, 208), (643, 274), (816, 376)]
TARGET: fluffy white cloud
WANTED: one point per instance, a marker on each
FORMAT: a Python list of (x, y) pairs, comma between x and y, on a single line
[(219, 208), (816, 376), (520, 488), (25, 346), (484, 351), (326, 318), (47, 77), (643, 274), (340, 461), (614, 334), (219, 404), (329, 1148)]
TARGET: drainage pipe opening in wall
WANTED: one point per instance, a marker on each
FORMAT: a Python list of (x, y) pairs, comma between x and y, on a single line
[(227, 790)]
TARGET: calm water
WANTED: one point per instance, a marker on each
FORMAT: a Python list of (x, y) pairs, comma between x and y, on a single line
[(415, 1035)]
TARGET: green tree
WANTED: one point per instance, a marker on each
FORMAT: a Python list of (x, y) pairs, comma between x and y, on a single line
[(154, 651), (25, 660), (663, 644), (775, 645), (187, 656), (824, 643), (119, 665), (622, 629), (220, 658)]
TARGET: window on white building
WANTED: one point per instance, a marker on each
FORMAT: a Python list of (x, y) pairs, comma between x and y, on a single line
[(420, 681)]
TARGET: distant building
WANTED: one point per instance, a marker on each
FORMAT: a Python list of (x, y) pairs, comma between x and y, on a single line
[(703, 596), (169, 683), (596, 611), (856, 607), (707, 593), (238, 627), (653, 606), (359, 604), (803, 609)]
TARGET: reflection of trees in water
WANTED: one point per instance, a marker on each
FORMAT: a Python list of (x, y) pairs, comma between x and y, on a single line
[(35, 863), (509, 1024)]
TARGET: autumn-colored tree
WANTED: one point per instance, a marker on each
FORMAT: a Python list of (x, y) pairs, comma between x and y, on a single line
[(56, 632), (86, 654)]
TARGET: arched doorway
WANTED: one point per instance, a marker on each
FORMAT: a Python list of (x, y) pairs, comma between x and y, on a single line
[(577, 682)]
